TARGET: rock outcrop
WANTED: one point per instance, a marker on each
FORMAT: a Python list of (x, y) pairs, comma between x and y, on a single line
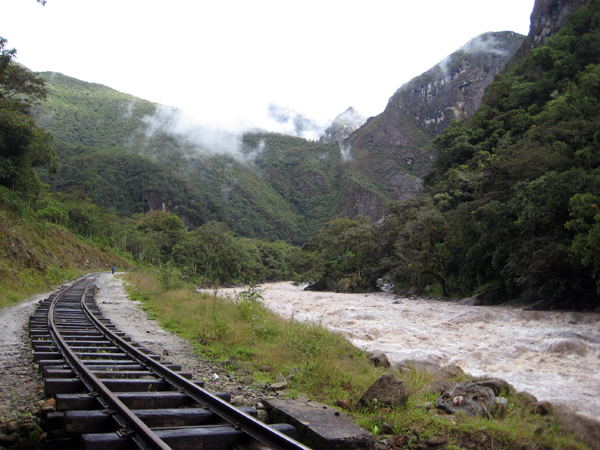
[(394, 149), (453, 89), (388, 390), (468, 398)]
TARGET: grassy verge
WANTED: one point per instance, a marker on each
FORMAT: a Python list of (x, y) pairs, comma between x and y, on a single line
[(25, 283), (36, 255), (242, 333)]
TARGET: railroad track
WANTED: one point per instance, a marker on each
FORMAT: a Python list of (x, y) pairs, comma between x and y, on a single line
[(110, 393)]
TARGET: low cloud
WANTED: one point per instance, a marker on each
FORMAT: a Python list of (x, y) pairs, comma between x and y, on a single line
[(128, 111), (189, 132), (486, 42), (253, 153), (294, 122), (345, 152)]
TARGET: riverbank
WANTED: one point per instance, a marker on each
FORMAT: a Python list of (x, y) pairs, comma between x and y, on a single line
[(553, 355)]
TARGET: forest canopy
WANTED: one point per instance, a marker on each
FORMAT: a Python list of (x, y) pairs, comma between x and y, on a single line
[(518, 184)]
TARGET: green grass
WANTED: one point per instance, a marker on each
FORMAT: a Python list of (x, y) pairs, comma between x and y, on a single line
[(19, 285), (240, 333)]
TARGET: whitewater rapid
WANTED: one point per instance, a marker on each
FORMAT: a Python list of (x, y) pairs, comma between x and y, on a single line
[(552, 355)]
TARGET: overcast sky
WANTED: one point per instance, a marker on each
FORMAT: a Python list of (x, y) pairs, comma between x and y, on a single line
[(224, 62)]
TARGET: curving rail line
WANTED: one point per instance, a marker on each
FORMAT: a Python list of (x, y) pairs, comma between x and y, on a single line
[(112, 394)]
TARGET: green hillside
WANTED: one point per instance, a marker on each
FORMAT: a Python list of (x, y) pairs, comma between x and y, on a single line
[(91, 115), (273, 187)]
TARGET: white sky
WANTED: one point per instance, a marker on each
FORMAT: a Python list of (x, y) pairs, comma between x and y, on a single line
[(224, 61)]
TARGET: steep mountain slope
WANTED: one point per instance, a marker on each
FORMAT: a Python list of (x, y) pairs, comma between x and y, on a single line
[(546, 19), (134, 156), (394, 148)]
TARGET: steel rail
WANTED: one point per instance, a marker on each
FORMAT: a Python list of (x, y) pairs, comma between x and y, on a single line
[(239, 419), (144, 437)]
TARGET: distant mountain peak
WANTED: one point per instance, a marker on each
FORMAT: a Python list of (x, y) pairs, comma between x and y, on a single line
[(343, 126)]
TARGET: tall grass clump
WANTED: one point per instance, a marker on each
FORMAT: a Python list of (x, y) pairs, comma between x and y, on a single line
[(17, 285)]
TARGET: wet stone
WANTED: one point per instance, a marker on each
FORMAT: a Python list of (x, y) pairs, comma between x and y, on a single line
[(11, 426), (279, 386), (263, 416), (543, 408), (468, 398), (387, 390), (379, 359)]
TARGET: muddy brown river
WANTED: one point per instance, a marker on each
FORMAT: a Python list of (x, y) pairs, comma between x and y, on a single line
[(553, 355)]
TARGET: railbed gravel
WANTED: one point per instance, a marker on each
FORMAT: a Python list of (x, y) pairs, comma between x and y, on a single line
[(22, 388)]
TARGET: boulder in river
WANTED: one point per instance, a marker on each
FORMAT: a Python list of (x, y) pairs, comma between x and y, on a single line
[(476, 300)]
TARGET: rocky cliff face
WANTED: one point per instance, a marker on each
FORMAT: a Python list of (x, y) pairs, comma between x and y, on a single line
[(394, 148), (546, 18), (453, 89)]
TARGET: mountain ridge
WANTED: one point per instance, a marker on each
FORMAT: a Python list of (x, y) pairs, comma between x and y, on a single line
[(367, 167)]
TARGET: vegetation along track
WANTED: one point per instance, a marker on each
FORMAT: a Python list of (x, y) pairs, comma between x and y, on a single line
[(112, 394)]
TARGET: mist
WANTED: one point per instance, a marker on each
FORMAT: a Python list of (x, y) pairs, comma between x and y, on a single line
[(295, 123), (345, 152), (189, 132), (486, 42), (227, 140)]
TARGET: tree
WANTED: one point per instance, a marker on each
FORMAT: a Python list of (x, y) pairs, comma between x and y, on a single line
[(21, 85), (418, 233), (23, 145), (518, 183), (164, 229), (585, 224), (348, 255)]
